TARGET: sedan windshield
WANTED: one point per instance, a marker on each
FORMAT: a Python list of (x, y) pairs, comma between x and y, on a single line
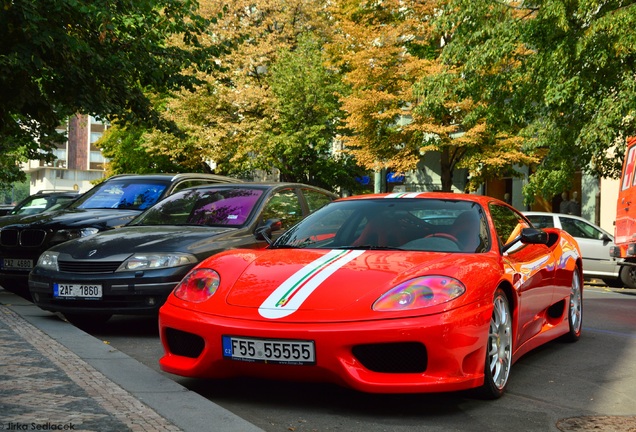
[(401, 224), (133, 195), (222, 206)]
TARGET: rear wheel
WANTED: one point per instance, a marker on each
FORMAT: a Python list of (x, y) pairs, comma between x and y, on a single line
[(575, 309), (628, 276), (498, 349)]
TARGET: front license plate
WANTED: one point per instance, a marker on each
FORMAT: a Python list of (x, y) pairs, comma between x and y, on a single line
[(17, 264), (73, 291), (280, 351)]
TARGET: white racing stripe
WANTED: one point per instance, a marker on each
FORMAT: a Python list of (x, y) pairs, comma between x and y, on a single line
[(290, 295)]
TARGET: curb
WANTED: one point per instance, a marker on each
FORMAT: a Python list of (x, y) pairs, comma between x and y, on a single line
[(103, 372)]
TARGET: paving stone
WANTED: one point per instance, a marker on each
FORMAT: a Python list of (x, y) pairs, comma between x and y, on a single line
[(43, 385)]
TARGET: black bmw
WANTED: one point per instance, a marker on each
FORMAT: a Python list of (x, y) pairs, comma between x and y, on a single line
[(132, 270)]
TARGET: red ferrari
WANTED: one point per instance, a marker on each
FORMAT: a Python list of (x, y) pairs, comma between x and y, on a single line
[(388, 293)]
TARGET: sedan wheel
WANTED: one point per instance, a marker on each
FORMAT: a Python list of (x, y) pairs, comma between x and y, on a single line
[(575, 309), (498, 349)]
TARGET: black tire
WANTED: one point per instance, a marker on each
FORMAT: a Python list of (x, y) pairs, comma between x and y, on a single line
[(628, 276), (498, 360), (575, 309)]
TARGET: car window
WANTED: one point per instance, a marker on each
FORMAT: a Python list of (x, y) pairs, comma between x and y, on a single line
[(393, 223), (231, 207), (135, 195), (284, 205), (541, 221), (33, 206), (211, 207), (315, 199), (190, 183), (508, 223), (578, 228)]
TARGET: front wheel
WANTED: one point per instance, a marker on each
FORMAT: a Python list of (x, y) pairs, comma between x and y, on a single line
[(498, 349)]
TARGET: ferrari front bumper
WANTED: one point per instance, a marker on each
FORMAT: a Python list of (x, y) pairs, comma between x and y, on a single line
[(452, 358)]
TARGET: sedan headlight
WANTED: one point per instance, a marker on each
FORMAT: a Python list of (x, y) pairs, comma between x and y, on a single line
[(198, 285), (420, 293), (156, 261), (48, 261), (70, 234)]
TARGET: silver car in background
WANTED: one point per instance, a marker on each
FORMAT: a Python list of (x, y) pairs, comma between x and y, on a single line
[(595, 244)]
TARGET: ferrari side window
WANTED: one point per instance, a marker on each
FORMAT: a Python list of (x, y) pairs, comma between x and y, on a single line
[(508, 223)]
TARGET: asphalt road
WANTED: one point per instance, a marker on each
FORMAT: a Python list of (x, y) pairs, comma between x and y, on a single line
[(588, 385)]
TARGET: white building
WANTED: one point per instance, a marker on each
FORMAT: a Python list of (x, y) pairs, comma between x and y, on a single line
[(79, 162)]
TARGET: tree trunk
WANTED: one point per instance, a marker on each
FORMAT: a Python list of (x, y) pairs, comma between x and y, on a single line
[(446, 174)]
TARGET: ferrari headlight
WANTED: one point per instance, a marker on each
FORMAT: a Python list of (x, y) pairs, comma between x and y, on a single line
[(419, 293), (156, 261), (70, 234), (48, 260), (198, 285)]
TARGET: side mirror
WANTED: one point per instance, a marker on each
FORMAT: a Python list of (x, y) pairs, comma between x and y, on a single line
[(264, 232), (528, 236), (533, 236)]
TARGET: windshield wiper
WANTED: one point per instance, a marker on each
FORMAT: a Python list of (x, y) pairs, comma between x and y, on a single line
[(284, 246)]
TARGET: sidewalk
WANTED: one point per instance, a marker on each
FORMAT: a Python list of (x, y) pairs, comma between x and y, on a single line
[(54, 376)]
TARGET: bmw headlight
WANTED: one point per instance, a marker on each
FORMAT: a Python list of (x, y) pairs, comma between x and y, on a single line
[(156, 261), (48, 261), (420, 293), (70, 234)]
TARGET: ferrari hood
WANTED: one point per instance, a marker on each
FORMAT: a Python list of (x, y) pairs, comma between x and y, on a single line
[(284, 282)]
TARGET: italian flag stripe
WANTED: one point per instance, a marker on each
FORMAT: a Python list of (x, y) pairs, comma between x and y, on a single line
[(291, 294)]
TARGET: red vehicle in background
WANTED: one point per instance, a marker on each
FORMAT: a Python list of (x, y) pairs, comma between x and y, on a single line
[(625, 225)]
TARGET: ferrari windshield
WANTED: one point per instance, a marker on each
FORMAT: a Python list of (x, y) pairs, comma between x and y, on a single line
[(402, 224), (219, 206)]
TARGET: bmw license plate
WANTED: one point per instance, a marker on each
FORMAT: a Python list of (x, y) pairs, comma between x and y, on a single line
[(17, 264), (74, 291), (279, 351)]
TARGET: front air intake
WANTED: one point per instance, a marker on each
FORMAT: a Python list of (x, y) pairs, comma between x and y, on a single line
[(400, 357), (183, 343)]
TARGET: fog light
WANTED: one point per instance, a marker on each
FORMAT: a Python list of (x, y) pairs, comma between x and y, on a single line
[(631, 249)]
